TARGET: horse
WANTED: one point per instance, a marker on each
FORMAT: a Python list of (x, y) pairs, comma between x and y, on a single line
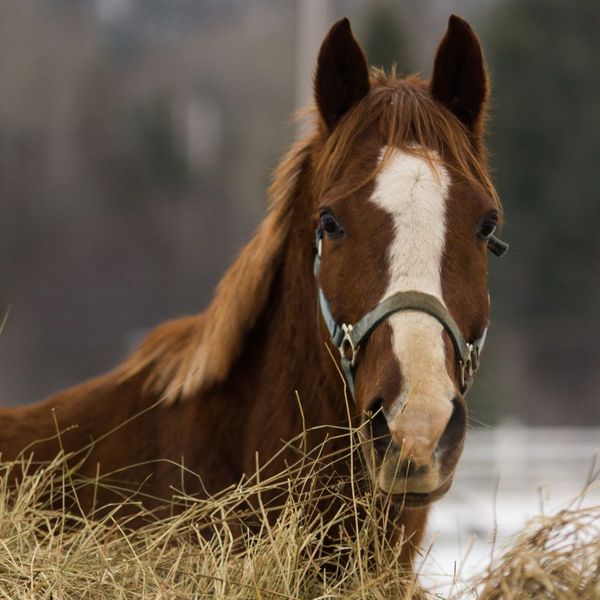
[(362, 298)]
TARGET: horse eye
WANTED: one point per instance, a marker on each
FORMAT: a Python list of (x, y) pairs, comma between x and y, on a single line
[(329, 225), (487, 227)]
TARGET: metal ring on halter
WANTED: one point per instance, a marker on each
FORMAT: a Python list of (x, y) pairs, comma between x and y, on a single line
[(347, 344), (466, 367)]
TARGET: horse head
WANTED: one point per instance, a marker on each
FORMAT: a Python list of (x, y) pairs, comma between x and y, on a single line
[(404, 213)]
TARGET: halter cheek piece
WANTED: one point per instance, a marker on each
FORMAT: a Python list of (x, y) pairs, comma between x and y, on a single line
[(347, 338)]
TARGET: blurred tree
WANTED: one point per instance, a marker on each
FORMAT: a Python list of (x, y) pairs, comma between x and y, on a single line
[(158, 144), (383, 39), (546, 142), (135, 147), (547, 86)]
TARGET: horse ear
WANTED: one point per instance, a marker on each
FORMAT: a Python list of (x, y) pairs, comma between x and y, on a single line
[(460, 79), (342, 77)]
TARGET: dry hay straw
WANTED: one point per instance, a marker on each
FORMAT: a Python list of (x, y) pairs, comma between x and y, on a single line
[(224, 546), (555, 557), (227, 546)]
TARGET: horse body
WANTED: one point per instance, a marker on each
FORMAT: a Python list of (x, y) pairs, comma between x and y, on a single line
[(222, 391)]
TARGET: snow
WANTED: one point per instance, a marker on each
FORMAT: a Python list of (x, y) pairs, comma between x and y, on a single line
[(506, 476)]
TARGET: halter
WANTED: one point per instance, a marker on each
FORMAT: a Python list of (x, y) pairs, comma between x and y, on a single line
[(347, 337)]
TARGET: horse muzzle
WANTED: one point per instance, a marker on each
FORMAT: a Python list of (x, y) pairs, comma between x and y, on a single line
[(413, 455)]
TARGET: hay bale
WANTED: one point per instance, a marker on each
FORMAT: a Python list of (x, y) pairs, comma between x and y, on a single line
[(47, 552), (555, 557)]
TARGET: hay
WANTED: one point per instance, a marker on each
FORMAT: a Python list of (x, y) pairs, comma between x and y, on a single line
[(208, 550), (555, 557), (205, 551)]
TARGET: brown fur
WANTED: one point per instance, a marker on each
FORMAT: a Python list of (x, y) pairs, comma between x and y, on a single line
[(216, 390), (406, 117)]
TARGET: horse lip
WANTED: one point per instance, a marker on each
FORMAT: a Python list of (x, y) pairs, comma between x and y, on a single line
[(410, 500)]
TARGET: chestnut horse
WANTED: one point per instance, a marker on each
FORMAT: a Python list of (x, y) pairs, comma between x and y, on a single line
[(391, 292)]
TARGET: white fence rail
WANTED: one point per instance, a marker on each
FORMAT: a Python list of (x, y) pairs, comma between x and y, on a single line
[(520, 456)]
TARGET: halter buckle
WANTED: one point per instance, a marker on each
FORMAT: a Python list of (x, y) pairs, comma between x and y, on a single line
[(347, 345), (466, 367)]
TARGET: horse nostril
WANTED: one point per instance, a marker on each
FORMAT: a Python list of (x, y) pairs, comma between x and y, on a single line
[(455, 429), (411, 469), (378, 426)]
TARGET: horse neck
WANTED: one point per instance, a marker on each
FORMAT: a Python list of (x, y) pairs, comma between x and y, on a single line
[(295, 354)]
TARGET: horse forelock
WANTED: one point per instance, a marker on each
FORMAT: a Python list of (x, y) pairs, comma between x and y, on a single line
[(407, 118)]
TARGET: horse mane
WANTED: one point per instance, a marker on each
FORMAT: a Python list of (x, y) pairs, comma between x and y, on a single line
[(183, 357), (180, 358)]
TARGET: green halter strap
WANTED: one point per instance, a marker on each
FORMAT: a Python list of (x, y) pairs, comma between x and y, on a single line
[(347, 338)]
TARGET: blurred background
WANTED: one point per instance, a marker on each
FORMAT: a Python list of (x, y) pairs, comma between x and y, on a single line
[(137, 138)]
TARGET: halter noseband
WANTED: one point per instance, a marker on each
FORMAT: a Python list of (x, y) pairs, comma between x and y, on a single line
[(347, 338)]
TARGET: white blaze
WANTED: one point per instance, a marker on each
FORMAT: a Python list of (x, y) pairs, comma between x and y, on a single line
[(414, 194)]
